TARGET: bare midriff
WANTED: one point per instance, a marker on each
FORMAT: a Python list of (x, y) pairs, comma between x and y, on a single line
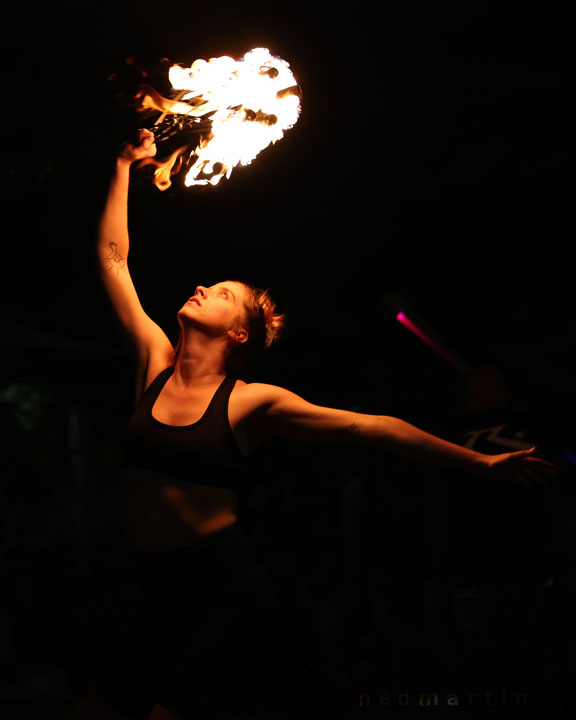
[(166, 514)]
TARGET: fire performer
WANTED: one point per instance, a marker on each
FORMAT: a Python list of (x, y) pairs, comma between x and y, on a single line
[(207, 623)]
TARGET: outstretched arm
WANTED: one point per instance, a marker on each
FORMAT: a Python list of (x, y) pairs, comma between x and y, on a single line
[(143, 335), (284, 414)]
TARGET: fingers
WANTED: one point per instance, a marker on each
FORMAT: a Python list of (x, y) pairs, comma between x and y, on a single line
[(142, 146), (523, 453), (545, 466), (541, 462), (532, 479), (522, 468), (145, 136), (535, 472), (542, 468), (535, 465), (146, 140)]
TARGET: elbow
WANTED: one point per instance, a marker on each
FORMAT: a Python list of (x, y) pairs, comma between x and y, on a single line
[(370, 430), (381, 431)]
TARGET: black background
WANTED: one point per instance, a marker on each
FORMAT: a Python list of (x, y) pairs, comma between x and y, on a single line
[(430, 171), (431, 161)]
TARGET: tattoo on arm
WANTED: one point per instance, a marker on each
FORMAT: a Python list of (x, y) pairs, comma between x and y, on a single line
[(352, 430), (114, 259)]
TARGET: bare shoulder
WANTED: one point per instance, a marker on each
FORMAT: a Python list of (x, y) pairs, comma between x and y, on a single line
[(258, 390), (248, 411), (259, 396), (259, 411)]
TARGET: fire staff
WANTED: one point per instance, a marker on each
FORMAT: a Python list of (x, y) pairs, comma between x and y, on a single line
[(204, 627)]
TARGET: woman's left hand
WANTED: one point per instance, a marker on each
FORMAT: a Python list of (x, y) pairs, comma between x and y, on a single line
[(520, 467)]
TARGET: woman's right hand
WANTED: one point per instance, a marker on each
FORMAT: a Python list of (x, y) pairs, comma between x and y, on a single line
[(144, 148)]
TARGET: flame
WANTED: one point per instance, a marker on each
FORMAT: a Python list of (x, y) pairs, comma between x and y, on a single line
[(164, 170), (237, 107), (149, 98)]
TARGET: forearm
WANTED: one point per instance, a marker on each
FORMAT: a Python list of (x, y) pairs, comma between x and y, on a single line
[(406, 440), (285, 414), (112, 239)]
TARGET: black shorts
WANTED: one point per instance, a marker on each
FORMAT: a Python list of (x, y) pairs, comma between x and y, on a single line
[(204, 633)]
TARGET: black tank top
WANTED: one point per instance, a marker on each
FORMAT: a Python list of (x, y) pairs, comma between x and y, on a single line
[(204, 452)]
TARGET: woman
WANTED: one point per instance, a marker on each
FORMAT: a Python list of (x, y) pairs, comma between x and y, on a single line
[(209, 608)]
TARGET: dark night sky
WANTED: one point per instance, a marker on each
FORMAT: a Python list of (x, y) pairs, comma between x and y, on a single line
[(431, 167), (432, 161)]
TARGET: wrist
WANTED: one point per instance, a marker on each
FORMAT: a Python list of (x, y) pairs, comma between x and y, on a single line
[(481, 464), (122, 162)]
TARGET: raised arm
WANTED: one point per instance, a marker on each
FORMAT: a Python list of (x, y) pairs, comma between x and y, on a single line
[(277, 412), (146, 340)]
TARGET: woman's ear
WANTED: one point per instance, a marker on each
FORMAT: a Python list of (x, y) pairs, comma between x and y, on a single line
[(239, 336)]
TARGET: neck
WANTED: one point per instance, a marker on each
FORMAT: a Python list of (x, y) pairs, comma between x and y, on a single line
[(201, 360)]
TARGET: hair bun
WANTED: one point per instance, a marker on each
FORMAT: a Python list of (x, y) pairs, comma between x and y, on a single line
[(274, 328), (274, 322)]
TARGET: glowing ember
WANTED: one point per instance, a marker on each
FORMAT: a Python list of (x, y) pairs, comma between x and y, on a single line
[(236, 108)]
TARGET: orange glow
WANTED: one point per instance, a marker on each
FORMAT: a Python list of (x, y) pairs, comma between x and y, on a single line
[(165, 169), (150, 99), (240, 107)]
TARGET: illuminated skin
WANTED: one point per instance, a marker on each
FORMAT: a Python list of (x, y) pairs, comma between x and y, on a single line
[(215, 310), (114, 259), (211, 320)]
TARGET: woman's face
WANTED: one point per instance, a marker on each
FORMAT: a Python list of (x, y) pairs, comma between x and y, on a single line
[(216, 309)]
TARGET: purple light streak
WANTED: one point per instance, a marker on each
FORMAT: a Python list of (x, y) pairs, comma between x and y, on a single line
[(405, 320)]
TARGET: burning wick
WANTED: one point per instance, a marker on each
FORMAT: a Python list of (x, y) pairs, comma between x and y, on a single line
[(232, 108)]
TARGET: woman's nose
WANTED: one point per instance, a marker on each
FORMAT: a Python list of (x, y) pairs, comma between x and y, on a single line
[(201, 290)]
